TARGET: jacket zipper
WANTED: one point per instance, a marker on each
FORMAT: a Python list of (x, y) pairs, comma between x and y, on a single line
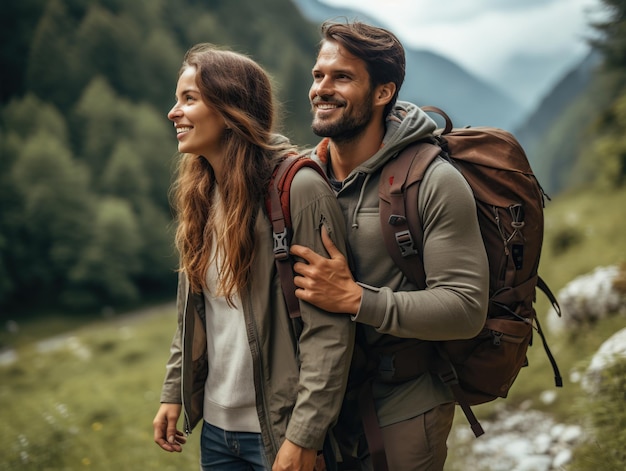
[(258, 373)]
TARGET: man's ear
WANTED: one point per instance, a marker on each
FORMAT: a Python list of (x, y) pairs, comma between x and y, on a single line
[(384, 93)]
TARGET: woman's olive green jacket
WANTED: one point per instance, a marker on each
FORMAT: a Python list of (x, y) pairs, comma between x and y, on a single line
[(299, 385)]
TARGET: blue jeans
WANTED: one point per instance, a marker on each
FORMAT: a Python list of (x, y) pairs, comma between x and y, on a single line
[(221, 450)]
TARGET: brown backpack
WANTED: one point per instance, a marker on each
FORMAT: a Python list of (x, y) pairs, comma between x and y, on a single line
[(510, 204)]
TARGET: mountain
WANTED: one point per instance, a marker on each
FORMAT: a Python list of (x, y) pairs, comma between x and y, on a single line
[(432, 79), (552, 106), (556, 133)]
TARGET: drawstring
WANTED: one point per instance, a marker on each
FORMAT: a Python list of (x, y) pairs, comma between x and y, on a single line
[(323, 152), (355, 224)]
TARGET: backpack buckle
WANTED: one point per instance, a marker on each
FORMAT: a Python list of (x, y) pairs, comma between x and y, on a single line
[(396, 219), (281, 245), (405, 243)]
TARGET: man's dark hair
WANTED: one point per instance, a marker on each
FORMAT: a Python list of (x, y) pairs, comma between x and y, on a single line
[(379, 48)]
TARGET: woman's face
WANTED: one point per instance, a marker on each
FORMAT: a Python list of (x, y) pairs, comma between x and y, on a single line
[(199, 128)]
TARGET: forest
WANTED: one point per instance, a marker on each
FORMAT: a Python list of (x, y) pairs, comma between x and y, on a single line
[(87, 154), (87, 151)]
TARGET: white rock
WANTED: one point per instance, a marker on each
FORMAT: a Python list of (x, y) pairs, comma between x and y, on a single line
[(575, 376), (518, 448), (562, 458), (542, 443), (534, 463), (557, 431), (548, 397), (8, 357), (613, 349), (588, 298), (572, 434)]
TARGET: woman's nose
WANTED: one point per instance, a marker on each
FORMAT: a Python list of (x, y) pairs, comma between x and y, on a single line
[(174, 113)]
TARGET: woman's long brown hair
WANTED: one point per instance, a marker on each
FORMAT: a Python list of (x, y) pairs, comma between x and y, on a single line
[(240, 91)]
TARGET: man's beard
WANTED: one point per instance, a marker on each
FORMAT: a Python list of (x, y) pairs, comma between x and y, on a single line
[(345, 128)]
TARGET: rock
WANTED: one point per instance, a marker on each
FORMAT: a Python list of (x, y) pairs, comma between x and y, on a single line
[(572, 434), (587, 299), (562, 458), (534, 463), (548, 397), (520, 440), (613, 349)]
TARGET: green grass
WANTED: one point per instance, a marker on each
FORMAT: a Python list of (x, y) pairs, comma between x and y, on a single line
[(88, 403)]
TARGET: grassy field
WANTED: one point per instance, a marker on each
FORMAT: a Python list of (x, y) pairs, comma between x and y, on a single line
[(84, 398)]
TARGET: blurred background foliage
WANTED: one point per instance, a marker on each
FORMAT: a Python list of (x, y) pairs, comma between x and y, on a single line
[(87, 153)]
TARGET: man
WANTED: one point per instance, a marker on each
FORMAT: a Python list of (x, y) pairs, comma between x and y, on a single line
[(356, 80)]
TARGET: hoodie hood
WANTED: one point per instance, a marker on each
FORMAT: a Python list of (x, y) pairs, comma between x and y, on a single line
[(407, 123)]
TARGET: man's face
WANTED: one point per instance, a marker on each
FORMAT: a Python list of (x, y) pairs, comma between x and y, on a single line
[(341, 95)]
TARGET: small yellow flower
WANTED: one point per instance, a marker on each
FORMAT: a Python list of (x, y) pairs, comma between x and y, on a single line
[(86, 461), (96, 426)]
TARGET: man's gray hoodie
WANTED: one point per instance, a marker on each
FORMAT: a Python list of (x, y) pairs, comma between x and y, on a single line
[(454, 305)]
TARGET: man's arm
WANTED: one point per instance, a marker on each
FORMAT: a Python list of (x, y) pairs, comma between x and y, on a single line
[(326, 282), (326, 341), (455, 303)]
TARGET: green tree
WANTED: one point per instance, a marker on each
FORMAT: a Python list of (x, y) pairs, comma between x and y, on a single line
[(108, 46), (154, 141), (55, 213), (9, 202), (606, 160), (157, 253), (17, 26), (612, 40), (52, 65), (102, 118), (110, 259), (124, 176), (28, 115), (160, 58)]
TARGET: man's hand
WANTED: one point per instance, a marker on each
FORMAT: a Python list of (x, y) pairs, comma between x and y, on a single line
[(292, 457), (326, 282), (166, 435)]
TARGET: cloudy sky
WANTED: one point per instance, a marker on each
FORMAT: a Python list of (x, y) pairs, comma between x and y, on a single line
[(493, 38)]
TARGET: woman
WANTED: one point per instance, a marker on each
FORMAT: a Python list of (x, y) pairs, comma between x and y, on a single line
[(233, 360)]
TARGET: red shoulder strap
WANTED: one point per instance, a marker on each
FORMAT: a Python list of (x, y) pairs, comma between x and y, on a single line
[(399, 218), (278, 210)]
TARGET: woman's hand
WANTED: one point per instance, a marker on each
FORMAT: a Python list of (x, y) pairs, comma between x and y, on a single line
[(166, 435)]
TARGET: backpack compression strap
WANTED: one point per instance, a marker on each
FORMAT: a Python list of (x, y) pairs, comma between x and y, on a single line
[(399, 186), (278, 210)]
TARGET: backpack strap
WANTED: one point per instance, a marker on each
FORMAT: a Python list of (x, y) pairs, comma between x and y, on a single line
[(278, 210), (402, 235), (398, 190)]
